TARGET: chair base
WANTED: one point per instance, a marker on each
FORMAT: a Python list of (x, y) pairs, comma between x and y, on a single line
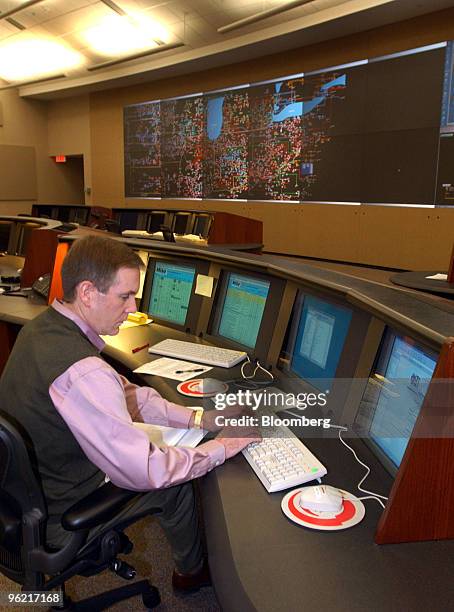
[(150, 598)]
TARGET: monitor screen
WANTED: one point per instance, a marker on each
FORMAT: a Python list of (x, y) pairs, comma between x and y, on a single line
[(394, 395), (171, 291), (317, 336), (181, 222), (242, 308), (155, 220), (202, 225), (5, 231)]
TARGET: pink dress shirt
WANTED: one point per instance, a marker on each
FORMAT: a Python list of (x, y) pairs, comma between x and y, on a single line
[(99, 406)]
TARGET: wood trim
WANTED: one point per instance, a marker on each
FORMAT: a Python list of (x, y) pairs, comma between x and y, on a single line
[(421, 502)]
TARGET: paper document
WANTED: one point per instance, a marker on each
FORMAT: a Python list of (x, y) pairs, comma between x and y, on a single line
[(443, 277), (160, 435), (176, 369), (204, 285)]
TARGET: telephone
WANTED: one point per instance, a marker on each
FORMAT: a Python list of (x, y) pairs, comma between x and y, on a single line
[(42, 285)]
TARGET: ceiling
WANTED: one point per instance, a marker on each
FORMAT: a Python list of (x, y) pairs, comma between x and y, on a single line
[(55, 48)]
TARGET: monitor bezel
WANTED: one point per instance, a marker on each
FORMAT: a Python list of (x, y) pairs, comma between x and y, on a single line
[(270, 312), (353, 343), (195, 300), (380, 365)]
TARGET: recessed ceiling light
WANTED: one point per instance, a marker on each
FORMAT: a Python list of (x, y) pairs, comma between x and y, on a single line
[(30, 57), (117, 34)]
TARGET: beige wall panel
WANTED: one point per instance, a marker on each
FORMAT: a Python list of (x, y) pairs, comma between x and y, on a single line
[(25, 124), (69, 133), (302, 229), (69, 126), (17, 173), (16, 208), (407, 238), (106, 120)]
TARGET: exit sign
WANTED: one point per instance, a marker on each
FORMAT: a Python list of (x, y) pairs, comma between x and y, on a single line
[(60, 159)]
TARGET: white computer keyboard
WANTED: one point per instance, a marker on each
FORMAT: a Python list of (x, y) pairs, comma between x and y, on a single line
[(201, 353), (282, 461)]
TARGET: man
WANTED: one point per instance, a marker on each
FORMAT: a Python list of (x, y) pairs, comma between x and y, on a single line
[(78, 411)]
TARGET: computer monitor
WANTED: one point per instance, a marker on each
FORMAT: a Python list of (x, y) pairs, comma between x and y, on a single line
[(393, 397), (245, 311), (169, 291), (316, 339), (6, 227), (156, 218), (182, 223), (202, 223)]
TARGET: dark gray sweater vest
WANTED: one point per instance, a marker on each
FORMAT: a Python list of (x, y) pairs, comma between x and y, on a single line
[(45, 348)]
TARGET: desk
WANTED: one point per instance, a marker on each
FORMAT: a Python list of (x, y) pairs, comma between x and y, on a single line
[(260, 560)]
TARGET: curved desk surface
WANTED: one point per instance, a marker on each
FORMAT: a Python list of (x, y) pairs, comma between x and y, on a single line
[(258, 558), (419, 280)]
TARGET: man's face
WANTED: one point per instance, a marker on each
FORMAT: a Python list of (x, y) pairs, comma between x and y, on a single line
[(109, 310)]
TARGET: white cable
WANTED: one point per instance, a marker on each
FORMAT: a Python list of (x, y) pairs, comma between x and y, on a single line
[(365, 497), (245, 363), (371, 493), (260, 367), (257, 367)]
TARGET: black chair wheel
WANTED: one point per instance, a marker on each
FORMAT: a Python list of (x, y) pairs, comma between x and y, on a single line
[(151, 598)]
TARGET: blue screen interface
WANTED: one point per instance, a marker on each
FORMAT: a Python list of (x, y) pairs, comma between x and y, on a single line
[(171, 292), (243, 308), (405, 382), (321, 331)]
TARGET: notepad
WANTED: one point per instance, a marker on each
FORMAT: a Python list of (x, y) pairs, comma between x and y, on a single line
[(163, 436)]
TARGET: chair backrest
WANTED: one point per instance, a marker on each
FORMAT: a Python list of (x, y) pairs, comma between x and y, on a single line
[(20, 497)]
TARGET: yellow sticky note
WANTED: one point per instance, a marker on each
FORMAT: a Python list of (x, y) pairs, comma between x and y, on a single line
[(137, 317), (204, 285)]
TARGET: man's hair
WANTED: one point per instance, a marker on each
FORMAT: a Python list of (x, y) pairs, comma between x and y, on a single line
[(96, 259)]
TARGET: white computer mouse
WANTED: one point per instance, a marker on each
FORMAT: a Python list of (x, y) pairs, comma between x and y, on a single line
[(211, 385), (321, 498)]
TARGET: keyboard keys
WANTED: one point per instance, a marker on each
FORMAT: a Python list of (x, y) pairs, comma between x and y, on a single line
[(282, 461), (201, 353)]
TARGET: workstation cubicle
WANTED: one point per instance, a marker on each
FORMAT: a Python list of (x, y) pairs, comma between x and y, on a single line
[(372, 351)]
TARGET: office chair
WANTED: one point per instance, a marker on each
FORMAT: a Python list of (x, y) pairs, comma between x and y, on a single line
[(24, 556)]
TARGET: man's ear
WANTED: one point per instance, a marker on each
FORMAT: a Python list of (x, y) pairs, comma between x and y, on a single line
[(85, 292)]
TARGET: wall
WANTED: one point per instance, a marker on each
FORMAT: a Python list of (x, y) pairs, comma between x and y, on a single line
[(69, 134), (35, 125), (376, 235)]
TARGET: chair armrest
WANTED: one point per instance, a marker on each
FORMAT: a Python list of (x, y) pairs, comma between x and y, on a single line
[(97, 508)]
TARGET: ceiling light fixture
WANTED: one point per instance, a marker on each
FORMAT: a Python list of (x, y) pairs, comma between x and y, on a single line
[(34, 82), (117, 36), (15, 23), (114, 7), (152, 51), (27, 57), (21, 7), (262, 15)]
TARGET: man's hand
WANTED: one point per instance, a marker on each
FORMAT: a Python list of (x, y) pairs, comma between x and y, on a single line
[(233, 412), (235, 439)]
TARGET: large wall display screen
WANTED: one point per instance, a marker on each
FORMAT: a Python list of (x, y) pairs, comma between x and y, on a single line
[(366, 132)]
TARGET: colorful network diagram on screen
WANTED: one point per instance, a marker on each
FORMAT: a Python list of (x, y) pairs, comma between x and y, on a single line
[(364, 132), (257, 142)]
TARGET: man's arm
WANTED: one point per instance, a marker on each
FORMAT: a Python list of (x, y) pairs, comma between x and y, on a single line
[(147, 405), (90, 398)]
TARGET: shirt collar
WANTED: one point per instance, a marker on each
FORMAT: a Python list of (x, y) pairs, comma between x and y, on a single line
[(85, 328)]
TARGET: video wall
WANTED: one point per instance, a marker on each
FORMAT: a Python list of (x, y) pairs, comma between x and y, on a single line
[(366, 132)]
